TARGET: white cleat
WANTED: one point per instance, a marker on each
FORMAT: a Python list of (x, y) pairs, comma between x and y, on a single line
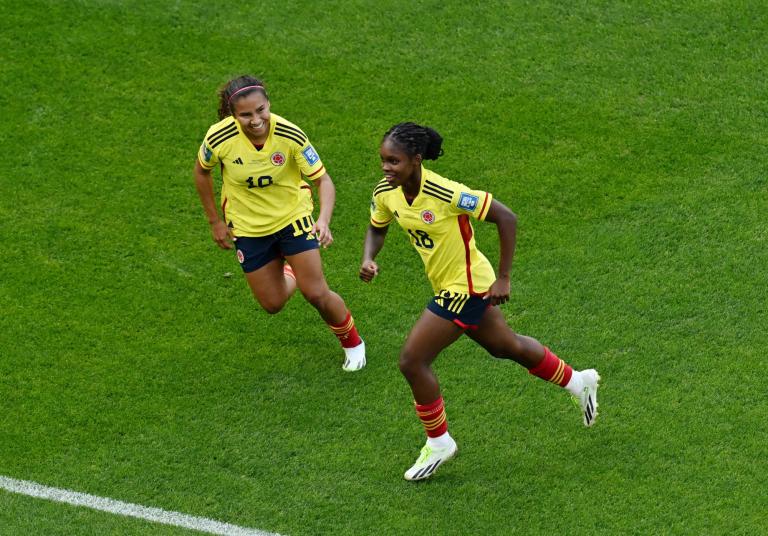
[(429, 460), (355, 357), (587, 399)]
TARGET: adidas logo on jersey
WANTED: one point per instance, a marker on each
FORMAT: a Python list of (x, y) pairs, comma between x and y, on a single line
[(238, 160)]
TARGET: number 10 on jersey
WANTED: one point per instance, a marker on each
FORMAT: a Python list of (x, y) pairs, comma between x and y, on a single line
[(261, 182)]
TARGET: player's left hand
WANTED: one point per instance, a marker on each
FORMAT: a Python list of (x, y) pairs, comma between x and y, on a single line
[(368, 270), (499, 291), (322, 232)]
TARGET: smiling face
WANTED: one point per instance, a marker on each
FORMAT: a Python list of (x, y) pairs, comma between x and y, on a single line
[(252, 112), (398, 166)]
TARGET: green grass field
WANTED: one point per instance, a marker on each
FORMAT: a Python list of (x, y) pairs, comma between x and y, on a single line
[(630, 138)]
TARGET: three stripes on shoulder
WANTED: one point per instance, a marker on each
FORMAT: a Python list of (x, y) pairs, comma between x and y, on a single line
[(430, 188), (281, 129)]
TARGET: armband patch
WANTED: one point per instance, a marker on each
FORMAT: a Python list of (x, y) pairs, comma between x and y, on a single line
[(206, 153), (310, 155), (468, 202)]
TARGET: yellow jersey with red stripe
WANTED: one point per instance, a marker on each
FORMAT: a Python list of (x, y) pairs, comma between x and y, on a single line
[(438, 225), (263, 190)]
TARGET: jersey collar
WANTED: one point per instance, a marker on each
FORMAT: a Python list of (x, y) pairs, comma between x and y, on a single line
[(424, 174), (267, 142)]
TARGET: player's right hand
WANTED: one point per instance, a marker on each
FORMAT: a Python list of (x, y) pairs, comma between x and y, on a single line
[(368, 271), (222, 234)]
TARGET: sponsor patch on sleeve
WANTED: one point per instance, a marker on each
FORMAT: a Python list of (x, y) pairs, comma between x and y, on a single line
[(310, 155), (206, 153), (468, 201)]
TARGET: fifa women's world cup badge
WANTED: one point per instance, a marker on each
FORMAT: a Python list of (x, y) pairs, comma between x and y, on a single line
[(277, 158), (427, 216)]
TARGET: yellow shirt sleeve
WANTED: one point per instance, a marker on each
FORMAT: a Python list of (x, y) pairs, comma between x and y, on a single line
[(309, 161), (206, 157), (381, 216), (476, 203)]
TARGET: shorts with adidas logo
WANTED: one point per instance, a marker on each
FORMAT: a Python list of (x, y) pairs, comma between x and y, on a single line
[(253, 252), (464, 310)]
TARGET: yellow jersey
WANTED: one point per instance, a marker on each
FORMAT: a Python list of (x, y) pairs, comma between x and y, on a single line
[(438, 225), (263, 189)]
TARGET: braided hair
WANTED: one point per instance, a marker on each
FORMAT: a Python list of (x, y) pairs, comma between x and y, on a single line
[(241, 86), (416, 139)]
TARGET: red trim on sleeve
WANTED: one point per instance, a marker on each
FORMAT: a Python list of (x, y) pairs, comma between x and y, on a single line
[(466, 235), (322, 168), (485, 201)]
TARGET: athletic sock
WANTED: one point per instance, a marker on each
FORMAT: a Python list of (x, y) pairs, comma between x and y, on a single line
[(576, 385), (346, 332), (287, 270), (433, 418), (555, 370), (443, 441)]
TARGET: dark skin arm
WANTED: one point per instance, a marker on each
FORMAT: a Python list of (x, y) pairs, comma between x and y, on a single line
[(374, 241), (506, 223)]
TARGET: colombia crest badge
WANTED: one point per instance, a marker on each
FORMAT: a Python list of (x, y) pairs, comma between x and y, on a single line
[(277, 158), (427, 216)]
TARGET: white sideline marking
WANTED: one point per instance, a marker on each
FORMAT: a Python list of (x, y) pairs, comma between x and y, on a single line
[(157, 515)]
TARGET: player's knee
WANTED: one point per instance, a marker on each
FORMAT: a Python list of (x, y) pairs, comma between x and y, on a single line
[(408, 364), (317, 297), (272, 308), (315, 300)]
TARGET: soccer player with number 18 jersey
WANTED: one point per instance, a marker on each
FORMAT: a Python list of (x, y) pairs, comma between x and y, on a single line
[(266, 206), (436, 214)]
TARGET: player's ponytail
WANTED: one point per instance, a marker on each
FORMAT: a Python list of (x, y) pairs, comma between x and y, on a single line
[(416, 139), (236, 88), (434, 148)]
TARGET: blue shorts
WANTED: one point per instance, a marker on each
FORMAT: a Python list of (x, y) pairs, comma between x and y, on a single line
[(464, 310), (253, 252)]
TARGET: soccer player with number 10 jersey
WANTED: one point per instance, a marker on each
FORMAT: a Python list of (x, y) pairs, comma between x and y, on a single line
[(266, 206)]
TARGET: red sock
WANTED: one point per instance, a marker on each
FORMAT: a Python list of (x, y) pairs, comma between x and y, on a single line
[(346, 332), (433, 417), (287, 270), (553, 369)]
